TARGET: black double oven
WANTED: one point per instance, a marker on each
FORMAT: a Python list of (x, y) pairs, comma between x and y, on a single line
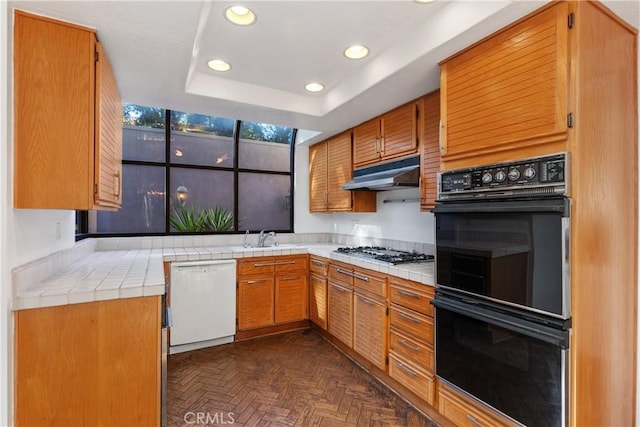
[(502, 304)]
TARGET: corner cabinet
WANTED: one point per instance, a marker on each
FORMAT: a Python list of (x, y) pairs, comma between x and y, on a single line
[(68, 118), (508, 93), (330, 167), (391, 135), (95, 363), (272, 291)]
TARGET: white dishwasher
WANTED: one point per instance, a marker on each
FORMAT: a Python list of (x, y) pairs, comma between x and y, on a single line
[(202, 296)]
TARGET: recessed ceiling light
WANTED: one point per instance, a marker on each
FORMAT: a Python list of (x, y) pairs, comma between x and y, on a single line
[(219, 65), (314, 87), (424, 1), (356, 52), (240, 15)]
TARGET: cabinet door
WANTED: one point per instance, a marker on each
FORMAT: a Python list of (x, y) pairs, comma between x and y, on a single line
[(318, 177), (508, 92), (429, 149), (255, 302), (399, 134), (465, 413), (318, 300), (108, 141), (54, 80), (291, 297), (339, 172), (96, 363), (340, 313), (370, 329), (366, 143)]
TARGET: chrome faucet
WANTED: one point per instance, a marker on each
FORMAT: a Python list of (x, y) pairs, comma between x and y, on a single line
[(246, 244), (262, 237)]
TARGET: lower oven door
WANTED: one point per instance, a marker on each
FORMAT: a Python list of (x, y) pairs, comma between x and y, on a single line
[(515, 364)]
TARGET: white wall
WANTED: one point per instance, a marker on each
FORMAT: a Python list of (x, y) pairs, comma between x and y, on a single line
[(396, 221)]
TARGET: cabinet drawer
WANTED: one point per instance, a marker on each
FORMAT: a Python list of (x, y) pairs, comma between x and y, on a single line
[(411, 349), (418, 381), (291, 263), (253, 266), (411, 295), (318, 266), (412, 323), (341, 274), (464, 413), (370, 282)]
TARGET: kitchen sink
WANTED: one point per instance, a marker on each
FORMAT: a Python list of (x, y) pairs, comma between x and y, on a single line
[(266, 247)]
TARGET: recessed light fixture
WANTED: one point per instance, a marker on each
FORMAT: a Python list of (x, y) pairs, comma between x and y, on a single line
[(219, 65), (240, 15), (424, 1), (356, 52), (314, 87)]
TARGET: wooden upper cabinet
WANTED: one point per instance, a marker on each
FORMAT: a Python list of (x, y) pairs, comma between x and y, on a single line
[(429, 149), (318, 177), (508, 92), (386, 137), (108, 141), (366, 142), (339, 172), (330, 167), (68, 118)]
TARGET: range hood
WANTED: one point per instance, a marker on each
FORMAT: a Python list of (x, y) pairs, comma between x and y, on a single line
[(387, 176)]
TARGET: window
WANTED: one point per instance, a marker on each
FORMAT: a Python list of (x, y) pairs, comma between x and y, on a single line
[(193, 173)]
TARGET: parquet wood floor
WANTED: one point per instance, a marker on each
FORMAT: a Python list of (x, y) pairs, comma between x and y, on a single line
[(292, 379)]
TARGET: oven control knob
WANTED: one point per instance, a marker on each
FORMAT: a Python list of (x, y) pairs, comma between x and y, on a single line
[(487, 178), (514, 174), (529, 173), (500, 176)]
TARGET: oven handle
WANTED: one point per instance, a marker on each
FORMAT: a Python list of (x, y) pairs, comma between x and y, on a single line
[(553, 205), (475, 310)]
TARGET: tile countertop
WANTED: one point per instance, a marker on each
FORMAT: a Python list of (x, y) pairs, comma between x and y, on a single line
[(114, 274)]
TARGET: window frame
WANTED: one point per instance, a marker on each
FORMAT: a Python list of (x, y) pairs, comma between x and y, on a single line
[(82, 217)]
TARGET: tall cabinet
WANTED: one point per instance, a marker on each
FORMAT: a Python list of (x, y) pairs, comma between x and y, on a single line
[(562, 79), (68, 118)]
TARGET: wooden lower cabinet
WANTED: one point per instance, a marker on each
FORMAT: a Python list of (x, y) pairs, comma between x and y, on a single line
[(95, 363), (370, 328), (418, 380), (466, 413), (255, 302), (290, 297), (341, 313), (318, 300), (272, 291), (318, 269)]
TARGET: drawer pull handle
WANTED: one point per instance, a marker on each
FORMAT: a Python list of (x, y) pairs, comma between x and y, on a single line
[(474, 420), (406, 344), (338, 288), (270, 264), (359, 277), (366, 301), (407, 370), (409, 318), (290, 278), (320, 263), (345, 272), (408, 294), (253, 282)]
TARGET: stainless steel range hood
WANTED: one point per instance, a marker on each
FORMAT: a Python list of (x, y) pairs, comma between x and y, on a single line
[(387, 176)]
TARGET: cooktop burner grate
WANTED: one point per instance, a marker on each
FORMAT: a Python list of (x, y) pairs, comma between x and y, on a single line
[(388, 255)]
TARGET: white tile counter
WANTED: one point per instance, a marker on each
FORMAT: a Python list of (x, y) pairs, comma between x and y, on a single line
[(112, 274)]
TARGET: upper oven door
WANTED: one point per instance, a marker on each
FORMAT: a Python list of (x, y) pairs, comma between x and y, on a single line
[(512, 251)]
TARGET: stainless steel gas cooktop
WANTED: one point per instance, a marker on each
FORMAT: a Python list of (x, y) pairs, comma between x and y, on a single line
[(387, 255)]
